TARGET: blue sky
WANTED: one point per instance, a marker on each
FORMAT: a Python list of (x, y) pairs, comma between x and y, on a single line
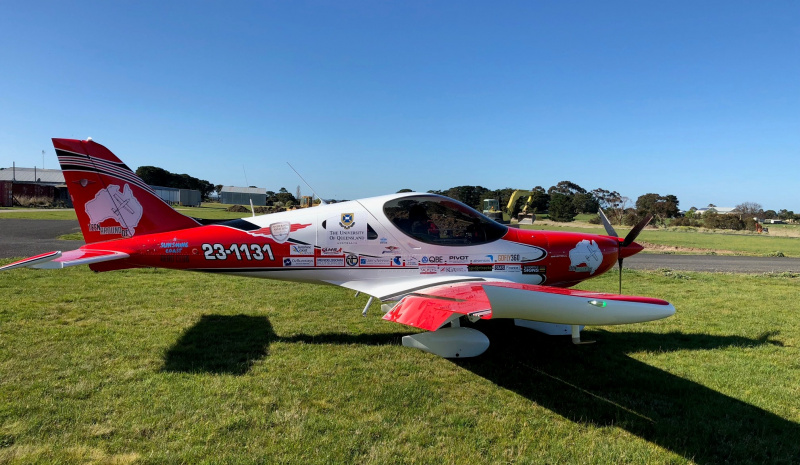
[(696, 99)]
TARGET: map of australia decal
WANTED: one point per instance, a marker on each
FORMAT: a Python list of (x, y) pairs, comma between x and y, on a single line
[(586, 256), (121, 207)]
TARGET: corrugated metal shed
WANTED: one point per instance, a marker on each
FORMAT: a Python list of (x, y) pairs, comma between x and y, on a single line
[(190, 197), (171, 195), (243, 195), (38, 175)]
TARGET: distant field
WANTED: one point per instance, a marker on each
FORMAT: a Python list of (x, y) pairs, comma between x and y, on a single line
[(696, 241), (156, 366), (211, 211), (659, 240)]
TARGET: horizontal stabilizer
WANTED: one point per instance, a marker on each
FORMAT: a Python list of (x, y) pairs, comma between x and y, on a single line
[(31, 261), (56, 260), (82, 257)]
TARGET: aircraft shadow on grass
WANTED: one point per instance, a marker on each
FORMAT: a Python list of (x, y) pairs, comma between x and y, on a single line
[(230, 344), (601, 385), (598, 385)]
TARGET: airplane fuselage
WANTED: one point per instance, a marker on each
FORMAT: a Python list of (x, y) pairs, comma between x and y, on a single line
[(358, 241)]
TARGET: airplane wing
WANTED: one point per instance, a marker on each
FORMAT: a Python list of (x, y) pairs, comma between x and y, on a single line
[(433, 307), (53, 260), (392, 289)]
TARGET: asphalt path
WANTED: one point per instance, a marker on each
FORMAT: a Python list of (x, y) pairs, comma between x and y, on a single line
[(25, 238), (713, 263)]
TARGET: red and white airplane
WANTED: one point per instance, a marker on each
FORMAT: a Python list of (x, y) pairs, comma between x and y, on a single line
[(431, 259)]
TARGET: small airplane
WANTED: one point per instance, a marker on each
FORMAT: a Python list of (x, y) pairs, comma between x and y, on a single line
[(431, 260)]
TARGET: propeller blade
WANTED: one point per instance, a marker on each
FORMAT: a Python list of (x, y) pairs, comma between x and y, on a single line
[(607, 224), (636, 230)]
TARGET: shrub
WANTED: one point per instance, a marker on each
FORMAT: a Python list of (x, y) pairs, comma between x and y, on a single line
[(34, 202)]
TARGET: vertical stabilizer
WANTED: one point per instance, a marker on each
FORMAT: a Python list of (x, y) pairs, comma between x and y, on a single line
[(111, 202)]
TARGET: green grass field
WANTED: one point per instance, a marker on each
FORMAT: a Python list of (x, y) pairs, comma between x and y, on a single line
[(694, 241), (660, 240), (208, 210), (153, 366)]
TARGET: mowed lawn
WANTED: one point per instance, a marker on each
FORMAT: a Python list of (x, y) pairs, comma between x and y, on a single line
[(154, 366), (702, 241), (687, 240)]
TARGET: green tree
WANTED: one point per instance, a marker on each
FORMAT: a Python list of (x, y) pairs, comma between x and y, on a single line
[(562, 208), (156, 176), (585, 202)]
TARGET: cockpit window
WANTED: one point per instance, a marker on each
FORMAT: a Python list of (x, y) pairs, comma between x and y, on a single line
[(442, 221)]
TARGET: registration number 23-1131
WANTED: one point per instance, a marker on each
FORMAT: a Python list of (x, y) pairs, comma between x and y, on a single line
[(240, 251)]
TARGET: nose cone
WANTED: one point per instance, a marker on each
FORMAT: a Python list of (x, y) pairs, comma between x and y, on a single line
[(632, 249)]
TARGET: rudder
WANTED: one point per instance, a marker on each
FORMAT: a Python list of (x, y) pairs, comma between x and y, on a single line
[(111, 202)]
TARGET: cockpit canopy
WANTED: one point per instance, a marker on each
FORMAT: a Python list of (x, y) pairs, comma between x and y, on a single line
[(437, 220)]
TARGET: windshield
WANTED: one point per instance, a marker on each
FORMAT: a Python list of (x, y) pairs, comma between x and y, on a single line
[(442, 221)]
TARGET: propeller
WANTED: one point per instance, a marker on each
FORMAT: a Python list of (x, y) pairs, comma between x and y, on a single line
[(625, 242)]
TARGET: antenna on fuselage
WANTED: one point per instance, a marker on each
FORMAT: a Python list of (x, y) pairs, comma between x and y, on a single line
[(323, 201)]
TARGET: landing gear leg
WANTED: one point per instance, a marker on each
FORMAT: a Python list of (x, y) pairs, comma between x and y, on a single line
[(366, 307), (576, 336)]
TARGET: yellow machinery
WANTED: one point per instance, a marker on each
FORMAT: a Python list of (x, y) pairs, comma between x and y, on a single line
[(306, 201), (491, 208)]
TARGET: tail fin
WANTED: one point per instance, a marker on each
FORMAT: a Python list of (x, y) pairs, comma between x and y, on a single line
[(110, 200)]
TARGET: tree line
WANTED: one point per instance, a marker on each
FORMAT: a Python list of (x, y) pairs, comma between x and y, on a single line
[(562, 202)]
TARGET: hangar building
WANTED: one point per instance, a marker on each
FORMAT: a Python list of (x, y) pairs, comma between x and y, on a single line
[(242, 195)]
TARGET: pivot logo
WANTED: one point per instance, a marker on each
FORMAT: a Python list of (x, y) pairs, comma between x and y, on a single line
[(458, 259), (351, 260), (432, 259)]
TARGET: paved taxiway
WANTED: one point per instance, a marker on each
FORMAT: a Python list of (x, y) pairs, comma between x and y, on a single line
[(24, 238)]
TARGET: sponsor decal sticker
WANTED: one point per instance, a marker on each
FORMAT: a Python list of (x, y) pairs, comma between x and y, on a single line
[(431, 259), (301, 249), (348, 220), (331, 251), (483, 259), (458, 259), (479, 268), (330, 261), (428, 269), (585, 257), (452, 269), (391, 249), (375, 261), (344, 230), (298, 261), (513, 257), (173, 247), (508, 268), (280, 231), (352, 260), (533, 269)]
